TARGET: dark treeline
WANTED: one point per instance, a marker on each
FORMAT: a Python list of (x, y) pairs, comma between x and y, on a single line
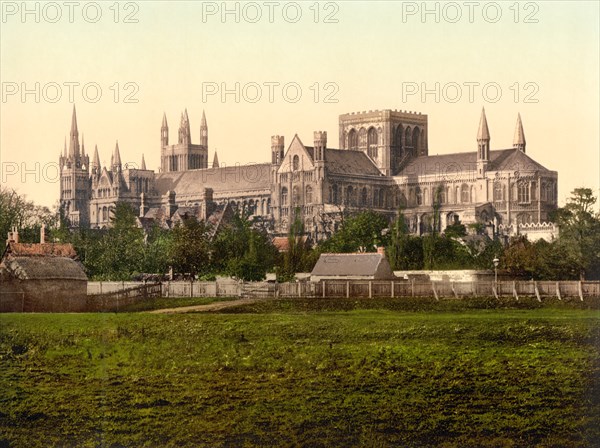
[(241, 250)]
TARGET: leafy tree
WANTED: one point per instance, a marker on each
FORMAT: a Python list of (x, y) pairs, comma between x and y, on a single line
[(293, 258), (455, 230), (190, 249), (579, 238), (361, 232), (242, 251), (520, 258), (157, 243)]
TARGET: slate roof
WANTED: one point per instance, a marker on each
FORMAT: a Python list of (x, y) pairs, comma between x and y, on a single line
[(353, 265), (348, 162), (223, 179), (44, 268), (500, 160)]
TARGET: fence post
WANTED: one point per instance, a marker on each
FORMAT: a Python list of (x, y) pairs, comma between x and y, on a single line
[(515, 291), (558, 291), (347, 289), (323, 284), (580, 291), (370, 289), (412, 288), (453, 290), (392, 289), (434, 291), (537, 292)]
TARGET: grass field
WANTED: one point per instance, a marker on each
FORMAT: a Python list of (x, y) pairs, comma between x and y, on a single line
[(301, 373)]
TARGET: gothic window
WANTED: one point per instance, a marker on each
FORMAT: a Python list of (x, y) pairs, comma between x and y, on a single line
[(353, 139), (533, 191), (350, 195), (419, 195), (296, 163), (362, 138), (372, 143), (376, 197), (398, 136), (334, 194), (415, 140), (296, 196), (408, 136), (284, 196), (523, 192), (544, 192), (308, 195), (464, 194), (498, 192), (363, 196), (426, 196), (382, 198)]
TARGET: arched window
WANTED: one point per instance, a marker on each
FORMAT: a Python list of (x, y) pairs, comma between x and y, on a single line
[(419, 195), (426, 196), (363, 196), (408, 136), (104, 214), (308, 195), (350, 195), (296, 196), (284, 196), (523, 192), (416, 135), (464, 194), (296, 163), (353, 139), (382, 198), (334, 194), (498, 192), (398, 136), (372, 143)]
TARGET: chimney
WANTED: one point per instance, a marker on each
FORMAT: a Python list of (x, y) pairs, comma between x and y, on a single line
[(381, 250), (43, 234), (13, 236)]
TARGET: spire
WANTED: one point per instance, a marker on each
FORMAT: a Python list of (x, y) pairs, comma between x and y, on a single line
[(96, 161), (215, 161), (203, 131), (143, 167), (164, 132), (483, 133), (116, 162), (82, 146), (74, 140), (519, 139), (164, 122)]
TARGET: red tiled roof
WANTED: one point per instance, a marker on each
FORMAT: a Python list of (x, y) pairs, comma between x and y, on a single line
[(37, 250)]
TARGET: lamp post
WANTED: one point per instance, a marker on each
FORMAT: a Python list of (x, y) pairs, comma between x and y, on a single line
[(496, 262)]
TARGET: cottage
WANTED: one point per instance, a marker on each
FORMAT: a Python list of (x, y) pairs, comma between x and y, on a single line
[(41, 277), (362, 266)]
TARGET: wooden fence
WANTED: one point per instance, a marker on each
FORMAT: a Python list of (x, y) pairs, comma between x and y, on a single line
[(112, 301), (351, 288)]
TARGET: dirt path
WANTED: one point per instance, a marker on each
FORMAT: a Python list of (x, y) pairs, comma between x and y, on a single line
[(210, 307)]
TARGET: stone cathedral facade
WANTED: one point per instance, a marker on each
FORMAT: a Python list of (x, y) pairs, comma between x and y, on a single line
[(382, 163)]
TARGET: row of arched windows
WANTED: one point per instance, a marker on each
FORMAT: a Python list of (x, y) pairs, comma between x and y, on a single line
[(296, 196)]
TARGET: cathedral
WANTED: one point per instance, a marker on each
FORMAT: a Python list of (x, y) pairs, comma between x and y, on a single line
[(382, 163)]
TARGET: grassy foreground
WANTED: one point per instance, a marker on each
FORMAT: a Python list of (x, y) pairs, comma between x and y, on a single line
[(475, 378)]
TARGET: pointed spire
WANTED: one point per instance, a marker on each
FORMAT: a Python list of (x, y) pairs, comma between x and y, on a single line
[(483, 132), (74, 140), (96, 161), (117, 156), (519, 139), (204, 131), (203, 121), (82, 146), (164, 122), (143, 167), (215, 161)]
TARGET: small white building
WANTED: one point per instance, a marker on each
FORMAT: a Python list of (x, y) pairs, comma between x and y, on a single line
[(363, 266)]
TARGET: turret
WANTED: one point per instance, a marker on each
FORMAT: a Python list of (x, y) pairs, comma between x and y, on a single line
[(519, 139), (203, 131), (215, 163), (143, 165), (277, 144), (320, 144), (483, 145), (164, 132), (184, 129), (116, 159), (96, 162)]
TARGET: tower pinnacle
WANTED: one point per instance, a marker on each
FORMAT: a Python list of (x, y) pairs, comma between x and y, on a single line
[(117, 157), (483, 133), (74, 140), (143, 166), (519, 139), (215, 163)]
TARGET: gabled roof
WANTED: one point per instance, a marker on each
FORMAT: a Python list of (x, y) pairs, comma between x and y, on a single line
[(353, 265), (44, 268), (223, 179), (349, 162), (500, 160), (40, 250)]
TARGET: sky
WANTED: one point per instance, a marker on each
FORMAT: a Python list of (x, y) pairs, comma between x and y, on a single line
[(259, 69)]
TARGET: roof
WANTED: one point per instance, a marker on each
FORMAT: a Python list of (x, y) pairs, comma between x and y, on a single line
[(44, 268), (41, 250), (223, 179), (345, 161), (352, 265), (500, 160)]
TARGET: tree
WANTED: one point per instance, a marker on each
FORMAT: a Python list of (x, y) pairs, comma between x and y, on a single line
[(294, 256), (190, 249), (579, 237), (360, 232)]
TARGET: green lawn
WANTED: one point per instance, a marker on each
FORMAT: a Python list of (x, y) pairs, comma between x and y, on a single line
[(473, 378)]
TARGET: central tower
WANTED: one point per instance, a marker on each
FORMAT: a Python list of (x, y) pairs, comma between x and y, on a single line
[(183, 155)]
